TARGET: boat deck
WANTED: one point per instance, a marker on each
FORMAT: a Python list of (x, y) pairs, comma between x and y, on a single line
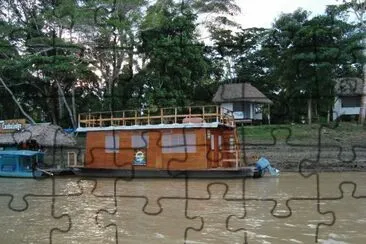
[(162, 116)]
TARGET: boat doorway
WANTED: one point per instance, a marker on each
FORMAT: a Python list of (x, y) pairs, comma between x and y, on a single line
[(214, 148)]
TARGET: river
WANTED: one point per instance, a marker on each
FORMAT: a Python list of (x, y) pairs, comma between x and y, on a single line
[(327, 208)]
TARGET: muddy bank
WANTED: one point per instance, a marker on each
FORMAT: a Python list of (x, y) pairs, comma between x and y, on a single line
[(307, 157), (340, 147)]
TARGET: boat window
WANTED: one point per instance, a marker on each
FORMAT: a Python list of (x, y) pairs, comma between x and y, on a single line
[(178, 143), (140, 141), (8, 163), (220, 142), (111, 143)]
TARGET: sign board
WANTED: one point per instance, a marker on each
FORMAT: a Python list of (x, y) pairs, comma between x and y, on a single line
[(139, 157), (238, 115), (11, 125)]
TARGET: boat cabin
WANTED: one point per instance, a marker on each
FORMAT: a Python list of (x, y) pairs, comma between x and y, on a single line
[(189, 138), (20, 163)]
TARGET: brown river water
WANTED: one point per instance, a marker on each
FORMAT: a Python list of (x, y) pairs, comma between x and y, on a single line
[(324, 208)]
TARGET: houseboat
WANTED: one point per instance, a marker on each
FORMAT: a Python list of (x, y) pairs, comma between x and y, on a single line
[(199, 142), (21, 163)]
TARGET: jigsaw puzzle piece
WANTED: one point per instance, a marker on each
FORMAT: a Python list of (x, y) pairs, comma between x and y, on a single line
[(82, 209), (162, 188), (109, 153), (299, 226), (280, 189), (217, 211), (26, 188), (35, 224), (183, 149), (132, 225), (360, 160), (197, 188), (102, 12), (346, 153), (50, 139), (334, 154), (329, 182), (280, 139), (350, 212)]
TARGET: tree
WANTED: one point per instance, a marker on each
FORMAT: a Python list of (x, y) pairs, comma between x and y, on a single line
[(108, 29), (358, 7), (49, 66), (175, 64), (296, 62)]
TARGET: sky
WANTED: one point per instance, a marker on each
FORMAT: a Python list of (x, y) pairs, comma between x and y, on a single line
[(261, 13)]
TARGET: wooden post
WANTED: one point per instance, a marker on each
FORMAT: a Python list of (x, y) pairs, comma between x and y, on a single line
[(203, 113), (148, 116), (123, 116), (217, 113), (100, 120), (236, 159), (175, 115), (251, 105), (88, 116), (79, 120), (135, 117), (189, 111), (161, 116), (269, 113)]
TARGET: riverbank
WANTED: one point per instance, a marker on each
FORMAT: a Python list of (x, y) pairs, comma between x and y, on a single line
[(324, 148)]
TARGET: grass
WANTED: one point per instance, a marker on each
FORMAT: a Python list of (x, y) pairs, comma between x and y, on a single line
[(341, 131)]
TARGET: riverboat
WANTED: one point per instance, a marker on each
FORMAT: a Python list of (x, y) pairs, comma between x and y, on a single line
[(199, 142), (21, 163)]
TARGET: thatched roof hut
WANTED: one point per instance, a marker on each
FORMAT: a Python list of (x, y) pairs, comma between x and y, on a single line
[(239, 92), (46, 135)]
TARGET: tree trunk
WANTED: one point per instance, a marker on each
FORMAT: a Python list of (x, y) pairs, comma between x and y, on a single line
[(363, 98), (328, 115), (17, 103), (309, 110), (60, 104), (51, 107), (316, 110), (73, 102), (66, 105)]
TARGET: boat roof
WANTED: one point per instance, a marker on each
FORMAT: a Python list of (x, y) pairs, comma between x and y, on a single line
[(153, 127), (28, 153)]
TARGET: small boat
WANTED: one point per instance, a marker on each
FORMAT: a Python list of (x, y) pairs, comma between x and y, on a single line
[(197, 142), (22, 164)]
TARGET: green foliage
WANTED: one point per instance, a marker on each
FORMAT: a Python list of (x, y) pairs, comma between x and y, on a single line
[(299, 59), (66, 57), (176, 64)]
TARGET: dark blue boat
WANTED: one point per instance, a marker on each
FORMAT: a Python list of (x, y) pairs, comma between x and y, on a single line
[(21, 163)]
